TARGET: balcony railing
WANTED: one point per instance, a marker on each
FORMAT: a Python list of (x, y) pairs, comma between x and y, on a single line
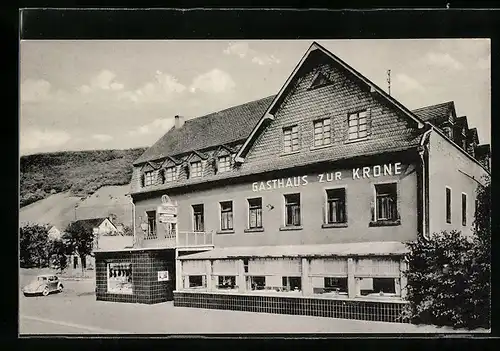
[(195, 239), (181, 239)]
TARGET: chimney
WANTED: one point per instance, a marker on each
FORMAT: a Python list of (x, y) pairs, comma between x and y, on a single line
[(179, 121)]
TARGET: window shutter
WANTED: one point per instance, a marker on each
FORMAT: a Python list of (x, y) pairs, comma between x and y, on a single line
[(142, 179), (161, 176), (372, 210), (324, 209)]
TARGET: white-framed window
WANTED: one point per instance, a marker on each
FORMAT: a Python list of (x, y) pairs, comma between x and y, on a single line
[(224, 164), (256, 282), (379, 286), (151, 234), (337, 285), (197, 281), (448, 205), (170, 174), (386, 204), (255, 213), (291, 139), (291, 283), (196, 169), (198, 218), (464, 209), (322, 132), (148, 178), (119, 278), (292, 210), (226, 215), (358, 125), (336, 206), (226, 282)]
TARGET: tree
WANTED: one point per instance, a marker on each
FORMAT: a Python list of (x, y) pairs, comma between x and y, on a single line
[(79, 240), (34, 246), (59, 253), (480, 275)]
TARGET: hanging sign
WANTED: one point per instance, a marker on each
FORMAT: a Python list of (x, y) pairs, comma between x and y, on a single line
[(167, 211)]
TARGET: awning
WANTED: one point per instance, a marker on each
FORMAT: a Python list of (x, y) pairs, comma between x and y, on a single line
[(385, 248)]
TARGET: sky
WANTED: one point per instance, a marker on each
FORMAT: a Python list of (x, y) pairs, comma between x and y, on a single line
[(87, 95)]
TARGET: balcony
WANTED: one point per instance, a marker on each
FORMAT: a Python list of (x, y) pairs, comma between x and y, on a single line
[(180, 239)]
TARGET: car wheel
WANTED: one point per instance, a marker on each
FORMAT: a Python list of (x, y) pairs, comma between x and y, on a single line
[(45, 291), (60, 288)]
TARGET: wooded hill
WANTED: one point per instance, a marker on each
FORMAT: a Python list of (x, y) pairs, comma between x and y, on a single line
[(80, 172)]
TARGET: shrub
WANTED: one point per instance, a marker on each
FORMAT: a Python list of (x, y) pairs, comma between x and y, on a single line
[(449, 275)]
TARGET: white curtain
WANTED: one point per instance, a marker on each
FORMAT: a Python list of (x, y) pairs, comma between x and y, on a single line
[(194, 267), (378, 267), (225, 267), (328, 266)]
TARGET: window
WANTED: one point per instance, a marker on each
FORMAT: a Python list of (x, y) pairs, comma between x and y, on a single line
[(224, 164), (196, 169), (464, 209), (448, 205), (292, 283), (255, 213), (197, 281), (198, 218), (148, 178), (151, 234), (227, 282), (170, 174), (119, 278), (335, 285), (377, 286), (386, 202), (319, 81), (291, 139), (322, 132), (256, 282), (292, 210), (336, 212), (358, 125), (226, 215)]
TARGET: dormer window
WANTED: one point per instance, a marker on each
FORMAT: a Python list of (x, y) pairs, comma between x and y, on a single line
[(148, 178), (170, 174), (196, 170), (449, 132), (224, 164)]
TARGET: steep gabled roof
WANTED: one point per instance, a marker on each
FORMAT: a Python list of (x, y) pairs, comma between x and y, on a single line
[(435, 114), (223, 127), (462, 122), (91, 223), (279, 98)]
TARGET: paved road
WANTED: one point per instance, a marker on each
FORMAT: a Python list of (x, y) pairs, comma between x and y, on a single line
[(76, 311)]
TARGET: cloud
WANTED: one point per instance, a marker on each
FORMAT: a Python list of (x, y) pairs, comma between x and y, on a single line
[(443, 60), (404, 83), (104, 80), (102, 137), (35, 90), (158, 126), (32, 139), (163, 88), (265, 60), (214, 81), (484, 62), (242, 50)]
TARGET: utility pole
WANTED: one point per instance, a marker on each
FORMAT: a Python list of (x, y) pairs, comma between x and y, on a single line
[(75, 211), (389, 81)]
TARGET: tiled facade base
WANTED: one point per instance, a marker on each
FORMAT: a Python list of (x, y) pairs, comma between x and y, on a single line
[(361, 310), (145, 266)]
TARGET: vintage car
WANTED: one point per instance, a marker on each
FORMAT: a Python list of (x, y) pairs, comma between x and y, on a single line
[(43, 284)]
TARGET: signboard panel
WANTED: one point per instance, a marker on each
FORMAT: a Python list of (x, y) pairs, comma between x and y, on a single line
[(163, 276), (167, 218), (167, 211)]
